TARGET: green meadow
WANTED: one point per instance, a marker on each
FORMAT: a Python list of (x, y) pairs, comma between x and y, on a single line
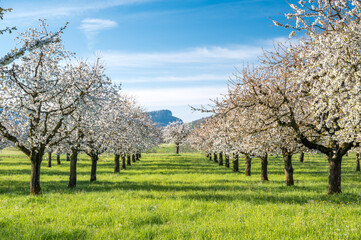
[(186, 196)]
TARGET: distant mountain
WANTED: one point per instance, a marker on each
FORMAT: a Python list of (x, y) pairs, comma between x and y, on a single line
[(163, 117)]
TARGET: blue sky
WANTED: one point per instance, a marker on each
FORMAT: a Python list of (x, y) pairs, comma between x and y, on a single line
[(169, 54)]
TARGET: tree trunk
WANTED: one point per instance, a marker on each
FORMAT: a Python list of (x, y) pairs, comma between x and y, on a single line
[(210, 156), (137, 156), (123, 162), (36, 159), (264, 164), (58, 159), (49, 159), (287, 158), (357, 162), (67, 157), (116, 163), (133, 157), (177, 148), (129, 163), (220, 162), (93, 173), (248, 162), (73, 162), (302, 156), (215, 157), (226, 159), (235, 163), (334, 174)]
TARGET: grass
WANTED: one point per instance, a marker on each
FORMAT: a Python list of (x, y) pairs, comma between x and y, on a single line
[(171, 148), (186, 196)]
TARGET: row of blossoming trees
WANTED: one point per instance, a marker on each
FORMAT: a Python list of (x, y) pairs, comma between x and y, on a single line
[(304, 94), (52, 102)]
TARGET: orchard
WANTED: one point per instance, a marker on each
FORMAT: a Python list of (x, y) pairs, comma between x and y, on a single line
[(302, 96), (233, 173)]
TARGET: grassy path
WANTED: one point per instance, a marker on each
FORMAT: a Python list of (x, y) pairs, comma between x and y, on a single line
[(166, 196)]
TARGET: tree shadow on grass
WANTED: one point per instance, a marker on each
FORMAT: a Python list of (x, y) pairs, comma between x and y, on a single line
[(218, 192), (19, 163), (252, 192), (212, 190), (50, 172), (259, 198)]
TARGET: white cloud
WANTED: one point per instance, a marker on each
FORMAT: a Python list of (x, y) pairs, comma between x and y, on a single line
[(198, 64), (163, 97), (53, 9), (179, 100), (92, 26), (172, 78), (201, 72), (203, 55)]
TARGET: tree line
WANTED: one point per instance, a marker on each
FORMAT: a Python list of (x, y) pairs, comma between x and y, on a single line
[(51, 101), (304, 95)]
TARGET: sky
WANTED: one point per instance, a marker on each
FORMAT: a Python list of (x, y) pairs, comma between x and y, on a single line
[(168, 54)]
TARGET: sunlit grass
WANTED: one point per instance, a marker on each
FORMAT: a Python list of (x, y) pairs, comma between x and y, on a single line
[(169, 196)]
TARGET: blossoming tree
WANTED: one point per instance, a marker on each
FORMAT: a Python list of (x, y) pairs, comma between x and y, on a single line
[(39, 93), (176, 132)]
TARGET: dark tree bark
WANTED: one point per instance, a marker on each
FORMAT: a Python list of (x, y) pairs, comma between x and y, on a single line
[(287, 158), (137, 157), (123, 162), (220, 162), (129, 163), (177, 148), (334, 153), (226, 159), (116, 163), (36, 159), (210, 156), (58, 159), (67, 157), (73, 162), (302, 156), (215, 157), (93, 173), (248, 162), (357, 162), (235, 163), (334, 174), (264, 165), (133, 157), (49, 159)]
